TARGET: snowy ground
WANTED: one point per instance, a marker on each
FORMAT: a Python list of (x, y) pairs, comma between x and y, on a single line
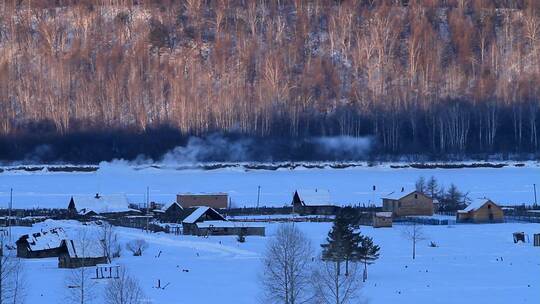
[(465, 268), (509, 185)]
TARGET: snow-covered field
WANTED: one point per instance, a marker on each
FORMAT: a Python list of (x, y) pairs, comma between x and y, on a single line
[(508, 185), (465, 268)]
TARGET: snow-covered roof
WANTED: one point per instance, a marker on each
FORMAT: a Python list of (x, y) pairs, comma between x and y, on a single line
[(44, 240), (85, 249), (226, 224), (102, 203), (197, 213), (169, 205), (395, 195), (314, 197), (475, 204), (383, 214)]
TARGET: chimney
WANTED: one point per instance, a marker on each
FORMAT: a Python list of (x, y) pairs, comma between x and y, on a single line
[(97, 195)]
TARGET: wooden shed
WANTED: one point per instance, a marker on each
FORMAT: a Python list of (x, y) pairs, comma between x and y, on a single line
[(313, 202), (170, 213), (382, 219), (81, 254), (43, 244), (213, 200), (537, 239), (410, 204), (481, 211)]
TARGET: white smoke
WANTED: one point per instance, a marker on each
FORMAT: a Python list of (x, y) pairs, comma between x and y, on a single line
[(214, 147), (343, 147)]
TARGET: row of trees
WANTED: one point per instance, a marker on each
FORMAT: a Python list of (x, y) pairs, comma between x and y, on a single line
[(420, 76), (451, 199)]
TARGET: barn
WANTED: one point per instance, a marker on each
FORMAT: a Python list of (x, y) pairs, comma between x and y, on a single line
[(213, 200), (193, 216), (481, 211), (81, 254), (414, 203), (43, 244), (313, 202)]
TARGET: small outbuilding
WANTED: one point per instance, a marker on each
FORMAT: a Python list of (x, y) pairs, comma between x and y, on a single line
[(414, 203), (382, 219), (228, 228), (43, 244), (313, 202), (81, 254), (170, 213), (481, 211), (111, 206), (537, 239)]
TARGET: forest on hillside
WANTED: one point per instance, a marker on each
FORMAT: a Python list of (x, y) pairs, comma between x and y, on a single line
[(124, 77)]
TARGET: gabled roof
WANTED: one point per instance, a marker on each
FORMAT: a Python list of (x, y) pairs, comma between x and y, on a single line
[(477, 204), (88, 249), (314, 197), (102, 203), (169, 205), (397, 195), (199, 212), (44, 240)]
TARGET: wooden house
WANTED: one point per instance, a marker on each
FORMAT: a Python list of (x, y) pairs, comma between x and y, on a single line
[(197, 215), (414, 203), (212, 200), (481, 211), (41, 244), (313, 202), (170, 213), (111, 206), (382, 219), (81, 254)]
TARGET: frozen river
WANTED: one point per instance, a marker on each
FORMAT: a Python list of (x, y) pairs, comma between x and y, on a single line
[(508, 186)]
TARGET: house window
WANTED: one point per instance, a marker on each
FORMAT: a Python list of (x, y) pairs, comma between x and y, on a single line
[(399, 204), (415, 196), (489, 206)]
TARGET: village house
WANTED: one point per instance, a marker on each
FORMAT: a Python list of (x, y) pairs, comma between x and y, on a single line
[(41, 244), (81, 254), (481, 211), (313, 202), (414, 203), (169, 213), (213, 200), (196, 215), (382, 219), (111, 206)]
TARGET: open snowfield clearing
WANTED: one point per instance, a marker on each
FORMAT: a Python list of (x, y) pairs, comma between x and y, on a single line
[(507, 186), (465, 268)]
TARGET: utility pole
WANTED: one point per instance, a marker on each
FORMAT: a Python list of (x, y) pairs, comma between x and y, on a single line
[(9, 212), (535, 201), (258, 196)]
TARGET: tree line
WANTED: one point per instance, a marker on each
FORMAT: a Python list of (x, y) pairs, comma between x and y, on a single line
[(418, 76)]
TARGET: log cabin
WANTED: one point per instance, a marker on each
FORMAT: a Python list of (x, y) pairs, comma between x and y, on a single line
[(481, 211), (414, 203)]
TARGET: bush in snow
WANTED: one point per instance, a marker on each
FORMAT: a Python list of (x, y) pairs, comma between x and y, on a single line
[(137, 247)]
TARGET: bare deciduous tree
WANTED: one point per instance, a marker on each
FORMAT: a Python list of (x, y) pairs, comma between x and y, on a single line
[(414, 233), (12, 279), (81, 288), (110, 241), (124, 290), (287, 267), (333, 287)]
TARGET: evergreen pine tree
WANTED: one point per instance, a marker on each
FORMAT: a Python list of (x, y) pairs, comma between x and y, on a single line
[(342, 243), (367, 252)]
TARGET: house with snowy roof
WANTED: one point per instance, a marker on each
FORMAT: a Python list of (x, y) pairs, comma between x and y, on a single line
[(169, 213), (481, 210), (192, 216), (316, 201), (403, 203), (42, 244), (80, 253), (105, 205)]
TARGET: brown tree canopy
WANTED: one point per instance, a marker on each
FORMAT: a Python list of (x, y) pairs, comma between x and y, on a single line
[(418, 75)]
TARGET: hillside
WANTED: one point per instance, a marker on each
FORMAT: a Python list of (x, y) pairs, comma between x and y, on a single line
[(93, 80)]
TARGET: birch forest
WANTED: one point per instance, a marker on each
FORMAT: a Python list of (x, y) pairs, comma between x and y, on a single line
[(433, 77)]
